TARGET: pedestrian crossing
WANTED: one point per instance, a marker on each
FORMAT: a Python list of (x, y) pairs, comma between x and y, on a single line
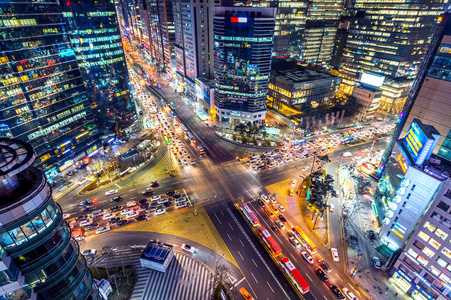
[(185, 278)]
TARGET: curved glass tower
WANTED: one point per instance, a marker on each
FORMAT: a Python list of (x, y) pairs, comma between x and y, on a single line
[(34, 235)]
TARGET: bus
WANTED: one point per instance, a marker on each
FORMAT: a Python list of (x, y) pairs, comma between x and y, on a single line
[(305, 241), (177, 121), (172, 105), (199, 148), (183, 127), (269, 241), (295, 277), (347, 140), (167, 140), (249, 215), (190, 136)]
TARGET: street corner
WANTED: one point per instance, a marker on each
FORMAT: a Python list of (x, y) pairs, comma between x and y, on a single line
[(282, 190)]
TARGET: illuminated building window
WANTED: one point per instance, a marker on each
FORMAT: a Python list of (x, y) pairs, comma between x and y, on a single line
[(447, 252), (424, 236), (434, 243), (428, 252), (434, 270), (440, 233), (441, 262), (429, 226), (445, 278)]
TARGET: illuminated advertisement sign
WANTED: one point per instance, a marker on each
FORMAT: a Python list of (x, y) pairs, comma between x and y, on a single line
[(238, 20), (372, 79), (415, 140)]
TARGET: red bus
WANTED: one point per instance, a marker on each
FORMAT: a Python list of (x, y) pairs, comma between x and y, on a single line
[(199, 148), (296, 278), (250, 215), (177, 121), (305, 241), (269, 241)]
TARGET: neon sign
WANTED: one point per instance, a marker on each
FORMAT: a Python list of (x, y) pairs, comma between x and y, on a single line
[(238, 20)]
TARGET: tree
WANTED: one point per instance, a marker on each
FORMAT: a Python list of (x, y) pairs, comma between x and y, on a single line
[(222, 276)]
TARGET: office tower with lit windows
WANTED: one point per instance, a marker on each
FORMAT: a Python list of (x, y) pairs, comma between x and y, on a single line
[(193, 22), (389, 39), (95, 37), (39, 259), (243, 42), (42, 95)]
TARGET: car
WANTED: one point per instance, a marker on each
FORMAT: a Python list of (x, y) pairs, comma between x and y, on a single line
[(152, 208), (305, 168), (261, 203), (126, 211), (290, 192), (246, 294), (191, 161), (160, 211), (87, 202), (179, 161), (92, 226), (280, 207), (279, 224), (188, 248), (264, 198), (131, 203), (109, 216), (273, 208), (82, 181), (376, 262), (269, 212), (162, 200), (331, 207), (322, 275), (337, 292), (334, 253), (85, 222), (103, 229), (371, 235), (282, 218), (294, 182), (121, 222), (185, 161), (66, 216), (324, 266), (182, 199), (116, 208), (350, 295), (97, 213), (72, 172), (142, 218), (131, 215), (89, 252), (113, 220), (308, 258), (110, 192), (117, 199), (86, 207), (353, 241), (148, 191), (155, 198), (294, 241)]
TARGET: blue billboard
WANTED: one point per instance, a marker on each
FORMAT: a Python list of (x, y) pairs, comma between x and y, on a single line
[(415, 140)]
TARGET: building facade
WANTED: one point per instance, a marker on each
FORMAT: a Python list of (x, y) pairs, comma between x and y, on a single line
[(243, 42), (423, 270), (95, 37), (301, 88), (35, 242), (43, 97), (368, 98)]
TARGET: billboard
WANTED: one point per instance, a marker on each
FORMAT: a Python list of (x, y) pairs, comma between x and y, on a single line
[(415, 140), (372, 79)]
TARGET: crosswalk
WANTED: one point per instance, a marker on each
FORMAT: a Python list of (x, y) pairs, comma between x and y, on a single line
[(185, 278)]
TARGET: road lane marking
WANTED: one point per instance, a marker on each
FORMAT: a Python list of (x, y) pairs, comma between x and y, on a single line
[(254, 277), (229, 237), (221, 212), (231, 227), (294, 258), (270, 286), (241, 242), (239, 281), (118, 185), (308, 277), (217, 218), (132, 190), (133, 197), (325, 297), (240, 255), (339, 278), (254, 262)]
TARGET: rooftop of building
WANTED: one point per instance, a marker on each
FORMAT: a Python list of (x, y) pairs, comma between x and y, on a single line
[(428, 130), (298, 74), (156, 251)]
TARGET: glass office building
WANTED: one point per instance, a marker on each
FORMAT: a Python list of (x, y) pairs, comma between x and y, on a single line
[(45, 262), (95, 37), (42, 96), (243, 42)]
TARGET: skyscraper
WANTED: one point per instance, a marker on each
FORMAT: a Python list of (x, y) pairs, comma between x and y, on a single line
[(43, 99), (95, 37), (40, 260), (389, 39), (243, 42)]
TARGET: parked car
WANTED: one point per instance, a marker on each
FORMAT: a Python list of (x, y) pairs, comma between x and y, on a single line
[(376, 262), (181, 205)]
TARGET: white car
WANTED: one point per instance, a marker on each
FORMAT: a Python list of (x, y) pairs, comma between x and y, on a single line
[(132, 214), (279, 224), (103, 229), (66, 216), (348, 294), (163, 200), (334, 253), (294, 182), (273, 199), (79, 237), (131, 203), (185, 162), (160, 211), (109, 216), (156, 198), (295, 242), (89, 252), (110, 192), (85, 222), (305, 168), (126, 211), (82, 181), (280, 207), (331, 207), (188, 248), (264, 198), (308, 258)]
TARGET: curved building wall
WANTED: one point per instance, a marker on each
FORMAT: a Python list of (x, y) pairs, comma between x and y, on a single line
[(38, 240)]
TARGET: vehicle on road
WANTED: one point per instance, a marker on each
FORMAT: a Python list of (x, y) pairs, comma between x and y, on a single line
[(282, 218), (371, 235), (350, 295), (334, 253), (92, 226), (337, 292), (322, 275), (246, 294), (280, 207), (324, 266), (116, 208), (113, 220), (103, 229), (279, 224), (308, 258), (110, 192), (305, 168), (264, 198), (269, 241), (109, 216), (294, 242), (121, 222), (131, 215), (290, 192), (89, 252), (155, 198), (294, 182), (250, 215), (131, 203), (148, 191), (87, 202), (273, 199), (273, 208), (85, 222), (188, 248), (117, 199), (142, 218), (160, 211), (82, 181), (305, 241), (298, 281), (97, 213), (66, 216), (331, 207), (376, 262), (261, 203), (269, 212)]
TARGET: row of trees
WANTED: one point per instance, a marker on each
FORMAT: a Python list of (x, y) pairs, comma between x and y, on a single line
[(251, 129)]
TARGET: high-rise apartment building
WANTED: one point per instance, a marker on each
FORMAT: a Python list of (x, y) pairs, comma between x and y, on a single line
[(423, 270), (96, 40), (39, 259), (43, 99), (193, 22), (243, 42), (391, 40)]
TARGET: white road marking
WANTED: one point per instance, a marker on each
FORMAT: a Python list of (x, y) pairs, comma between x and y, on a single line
[(325, 297), (308, 277), (294, 258), (118, 185), (231, 227), (339, 277), (270, 286), (254, 262), (133, 197), (241, 242), (218, 219), (229, 236), (239, 281), (254, 277), (132, 190), (240, 255)]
